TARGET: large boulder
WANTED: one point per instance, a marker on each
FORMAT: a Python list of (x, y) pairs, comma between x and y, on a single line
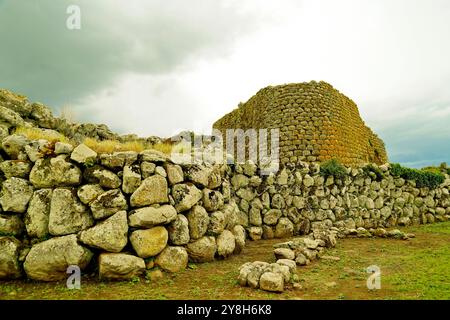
[(48, 260), (37, 216), (54, 172), (225, 243), (185, 196), (9, 258), (202, 250), (15, 195), (149, 242), (67, 214), (152, 190), (108, 203), (120, 266), (11, 225), (109, 235), (179, 231), (150, 216), (198, 222), (172, 259)]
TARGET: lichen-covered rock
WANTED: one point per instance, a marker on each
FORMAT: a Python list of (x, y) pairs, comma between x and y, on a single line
[(239, 237), (15, 168), (212, 200), (179, 231), (149, 242), (48, 260), (109, 235), (172, 259), (15, 195), (37, 216), (11, 225), (225, 243), (9, 258), (198, 222), (198, 174), (63, 148), (152, 190), (271, 217), (271, 281), (11, 117), (202, 250), (185, 196), (105, 178), (255, 233), (14, 146), (89, 192), (284, 253), (120, 266), (117, 160), (131, 178), (216, 223), (174, 173), (153, 156), (84, 155), (54, 172), (67, 214), (149, 216), (284, 228), (108, 203), (147, 169)]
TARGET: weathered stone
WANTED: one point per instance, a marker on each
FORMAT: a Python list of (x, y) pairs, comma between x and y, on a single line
[(212, 200), (152, 190), (67, 214), (284, 253), (37, 216), (271, 217), (202, 250), (310, 244), (153, 156), (117, 160), (131, 178), (15, 168), (255, 233), (48, 260), (179, 231), (9, 258), (185, 196), (239, 237), (148, 217), (84, 155), (160, 170), (89, 192), (149, 242), (14, 145), (108, 203), (147, 169), (54, 172), (301, 260), (272, 282), (198, 222), (225, 243), (105, 178), (172, 259), (198, 174), (216, 223), (63, 148), (239, 181), (120, 266), (284, 228), (174, 173), (289, 263), (11, 225), (15, 195), (109, 235)]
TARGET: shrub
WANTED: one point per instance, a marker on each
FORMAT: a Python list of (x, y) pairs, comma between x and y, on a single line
[(333, 168), (370, 168), (423, 178)]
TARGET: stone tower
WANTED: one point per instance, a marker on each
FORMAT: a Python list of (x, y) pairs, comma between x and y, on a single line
[(316, 123)]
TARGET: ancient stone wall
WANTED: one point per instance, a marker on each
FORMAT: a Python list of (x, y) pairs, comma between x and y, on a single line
[(316, 123)]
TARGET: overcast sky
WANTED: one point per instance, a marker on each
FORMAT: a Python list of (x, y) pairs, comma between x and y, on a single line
[(157, 67)]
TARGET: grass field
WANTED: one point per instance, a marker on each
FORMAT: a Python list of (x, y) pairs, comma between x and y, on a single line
[(413, 269)]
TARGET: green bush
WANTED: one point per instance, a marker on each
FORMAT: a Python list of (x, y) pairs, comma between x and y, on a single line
[(370, 168), (423, 178), (333, 168)]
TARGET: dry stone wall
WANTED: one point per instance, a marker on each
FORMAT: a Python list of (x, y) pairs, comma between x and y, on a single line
[(316, 123)]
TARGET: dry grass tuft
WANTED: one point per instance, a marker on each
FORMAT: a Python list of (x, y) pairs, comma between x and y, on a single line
[(46, 134)]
